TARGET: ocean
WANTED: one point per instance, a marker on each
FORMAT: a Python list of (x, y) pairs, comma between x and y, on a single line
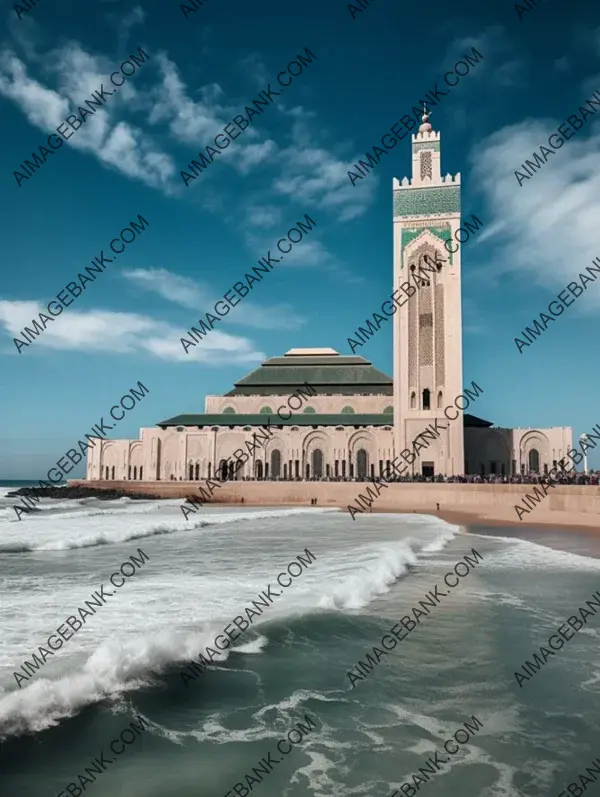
[(117, 710)]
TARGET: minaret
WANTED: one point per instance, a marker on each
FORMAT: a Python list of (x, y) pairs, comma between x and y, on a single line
[(428, 325)]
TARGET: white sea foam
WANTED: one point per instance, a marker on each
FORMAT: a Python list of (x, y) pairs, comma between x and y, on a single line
[(51, 533), (179, 601), (520, 554), (373, 579)]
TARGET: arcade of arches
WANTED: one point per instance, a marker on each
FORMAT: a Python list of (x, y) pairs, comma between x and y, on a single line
[(313, 464), (347, 434)]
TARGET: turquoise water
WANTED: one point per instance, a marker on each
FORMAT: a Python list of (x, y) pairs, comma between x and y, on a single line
[(203, 736)]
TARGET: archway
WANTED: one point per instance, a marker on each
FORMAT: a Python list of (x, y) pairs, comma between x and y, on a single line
[(317, 463), (190, 471), (361, 464), (275, 463), (223, 470), (534, 460), (258, 469), (197, 471)]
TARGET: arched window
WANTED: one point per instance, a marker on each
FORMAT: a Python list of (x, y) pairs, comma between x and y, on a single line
[(197, 471), (276, 463), (231, 474), (129, 472), (134, 472), (309, 410), (113, 471), (190, 471), (266, 411), (534, 460), (440, 400), (361, 464), (258, 470), (413, 400), (348, 411), (317, 463), (426, 399), (223, 470), (388, 411), (229, 411), (141, 472)]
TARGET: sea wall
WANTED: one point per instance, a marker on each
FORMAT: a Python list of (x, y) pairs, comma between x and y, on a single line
[(470, 498)]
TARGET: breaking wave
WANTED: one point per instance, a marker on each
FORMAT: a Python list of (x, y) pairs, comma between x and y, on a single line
[(78, 539), (341, 583)]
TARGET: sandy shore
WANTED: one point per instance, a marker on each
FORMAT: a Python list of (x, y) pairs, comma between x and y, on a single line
[(489, 516), (565, 507), (466, 519)]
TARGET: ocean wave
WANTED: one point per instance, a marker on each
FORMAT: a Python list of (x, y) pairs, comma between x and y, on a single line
[(108, 537), (8, 510), (135, 661), (369, 582), (525, 554)]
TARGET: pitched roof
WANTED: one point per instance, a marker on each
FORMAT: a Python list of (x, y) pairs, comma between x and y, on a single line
[(297, 419), (327, 371)]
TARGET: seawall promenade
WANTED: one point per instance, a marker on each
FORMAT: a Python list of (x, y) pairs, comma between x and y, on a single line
[(571, 505)]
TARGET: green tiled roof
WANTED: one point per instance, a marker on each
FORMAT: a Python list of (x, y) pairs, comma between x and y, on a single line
[(334, 375), (297, 419)]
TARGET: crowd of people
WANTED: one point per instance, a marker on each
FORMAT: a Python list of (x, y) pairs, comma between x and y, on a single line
[(592, 477)]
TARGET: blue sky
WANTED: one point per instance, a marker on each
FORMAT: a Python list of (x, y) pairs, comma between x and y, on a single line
[(201, 71)]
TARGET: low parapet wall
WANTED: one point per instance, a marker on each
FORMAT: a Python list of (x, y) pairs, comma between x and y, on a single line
[(471, 498)]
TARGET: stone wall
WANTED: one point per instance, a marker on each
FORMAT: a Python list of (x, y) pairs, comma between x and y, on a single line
[(470, 498)]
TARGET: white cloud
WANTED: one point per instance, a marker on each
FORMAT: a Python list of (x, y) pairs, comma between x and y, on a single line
[(312, 174), (548, 227), (197, 123), (201, 298), (263, 216), (120, 145), (123, 333)]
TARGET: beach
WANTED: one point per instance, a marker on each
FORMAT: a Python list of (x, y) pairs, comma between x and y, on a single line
[(203, 729)]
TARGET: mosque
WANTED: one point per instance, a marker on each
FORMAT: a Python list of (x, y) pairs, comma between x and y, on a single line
[(357, 418)]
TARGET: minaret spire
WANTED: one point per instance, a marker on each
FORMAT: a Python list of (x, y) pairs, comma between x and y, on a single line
[(425, 127)]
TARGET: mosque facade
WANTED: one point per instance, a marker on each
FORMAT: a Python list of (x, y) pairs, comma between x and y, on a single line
[(349, 419)]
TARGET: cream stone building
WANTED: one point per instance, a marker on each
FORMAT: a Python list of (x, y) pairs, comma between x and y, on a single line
[(357, 418)]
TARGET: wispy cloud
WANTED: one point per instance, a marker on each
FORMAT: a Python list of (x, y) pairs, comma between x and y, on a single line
[(500, 63), (548, 227), (117, 144), (312, 174), (200, 298), (124, 135), (123, 333)]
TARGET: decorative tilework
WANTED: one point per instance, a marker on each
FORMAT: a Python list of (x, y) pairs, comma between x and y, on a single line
[(426, 165), (410, 233), (434, 145), (435, 201)]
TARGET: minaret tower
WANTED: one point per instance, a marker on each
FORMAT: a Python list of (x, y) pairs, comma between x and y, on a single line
[(428, 325)]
